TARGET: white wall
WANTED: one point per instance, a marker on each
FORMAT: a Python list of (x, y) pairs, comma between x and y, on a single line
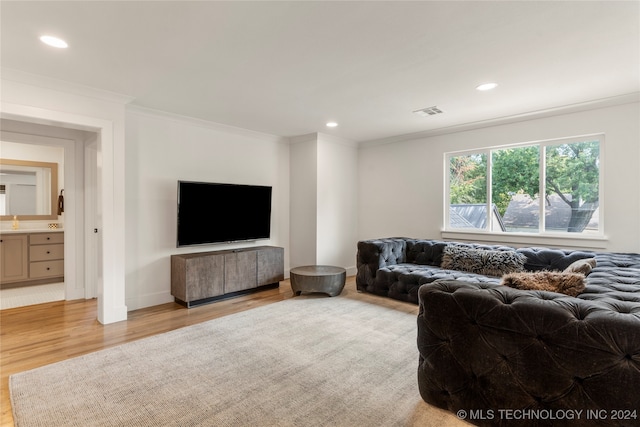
[(323, 201), (304, 200), (401, 185), (32, 153), (162, 149), (337, 203)]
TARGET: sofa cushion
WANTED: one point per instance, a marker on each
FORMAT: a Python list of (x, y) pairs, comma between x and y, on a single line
[(571, 284), (425, 252), (583, 266), (551, 259), (480, 261)]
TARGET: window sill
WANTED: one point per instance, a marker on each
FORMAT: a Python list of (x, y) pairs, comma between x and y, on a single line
[(525, 239)]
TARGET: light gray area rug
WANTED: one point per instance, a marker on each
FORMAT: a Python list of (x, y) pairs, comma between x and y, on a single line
[(307, 361)]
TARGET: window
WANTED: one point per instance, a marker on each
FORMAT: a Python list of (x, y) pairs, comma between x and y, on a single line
[(548, 187)]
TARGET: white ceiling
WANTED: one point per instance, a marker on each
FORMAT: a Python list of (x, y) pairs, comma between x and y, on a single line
[(286, 68)]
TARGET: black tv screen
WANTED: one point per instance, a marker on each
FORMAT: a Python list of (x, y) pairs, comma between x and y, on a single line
[(218, 213)]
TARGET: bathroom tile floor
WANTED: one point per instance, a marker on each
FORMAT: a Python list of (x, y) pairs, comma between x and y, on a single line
[(29, 295)]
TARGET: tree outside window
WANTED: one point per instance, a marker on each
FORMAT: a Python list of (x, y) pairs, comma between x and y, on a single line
[(468, 179), (565, 174), (573, 175)]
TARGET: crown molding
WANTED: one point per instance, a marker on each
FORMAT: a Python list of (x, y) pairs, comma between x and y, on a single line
[(303, 138), (153, 113), (337, 140), (317, 136), (532, 115), (17, 76)]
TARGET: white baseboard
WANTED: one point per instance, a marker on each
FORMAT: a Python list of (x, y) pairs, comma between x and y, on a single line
[(149, 300)]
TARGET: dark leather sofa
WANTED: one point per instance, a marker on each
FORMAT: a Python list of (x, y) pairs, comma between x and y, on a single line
[(513, 357)]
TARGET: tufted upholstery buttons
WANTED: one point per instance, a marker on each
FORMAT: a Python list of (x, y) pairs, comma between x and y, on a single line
[(415, 262), (551, 259), (483, 345), (561, 353)]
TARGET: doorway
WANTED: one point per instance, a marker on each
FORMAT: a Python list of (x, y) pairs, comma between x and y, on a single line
[(66, 148), (110, 291)]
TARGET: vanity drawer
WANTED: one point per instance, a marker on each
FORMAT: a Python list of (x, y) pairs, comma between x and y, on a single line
[(46, 269), (45, 238), (46, 252)]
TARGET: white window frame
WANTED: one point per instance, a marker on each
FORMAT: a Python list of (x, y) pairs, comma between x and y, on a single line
[(596, 240)]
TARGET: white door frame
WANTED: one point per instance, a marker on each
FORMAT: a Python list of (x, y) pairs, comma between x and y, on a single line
[(92, 241), (111, 293)]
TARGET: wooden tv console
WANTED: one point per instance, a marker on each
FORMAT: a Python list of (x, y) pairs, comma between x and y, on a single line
[(203, 277)]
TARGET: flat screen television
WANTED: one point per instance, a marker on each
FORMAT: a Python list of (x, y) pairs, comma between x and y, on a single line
[(219, 213)]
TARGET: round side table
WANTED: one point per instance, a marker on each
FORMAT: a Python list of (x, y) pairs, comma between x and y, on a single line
[(318, 278)]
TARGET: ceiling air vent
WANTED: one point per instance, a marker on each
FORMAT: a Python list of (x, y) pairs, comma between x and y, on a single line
[(429, 111)]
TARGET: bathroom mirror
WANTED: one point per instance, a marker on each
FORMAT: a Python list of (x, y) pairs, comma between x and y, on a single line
[(28, 189)]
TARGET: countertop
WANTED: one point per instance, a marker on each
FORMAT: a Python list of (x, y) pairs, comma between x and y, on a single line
[(34, 230)]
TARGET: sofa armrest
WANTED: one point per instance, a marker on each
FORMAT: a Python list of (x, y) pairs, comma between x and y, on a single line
[(490, 347), (375, 254)]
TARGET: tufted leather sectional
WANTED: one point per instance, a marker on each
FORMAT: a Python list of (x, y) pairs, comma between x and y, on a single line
[(512, 357)]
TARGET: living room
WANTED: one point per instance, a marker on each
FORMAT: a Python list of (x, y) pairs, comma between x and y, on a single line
[(331, 186)]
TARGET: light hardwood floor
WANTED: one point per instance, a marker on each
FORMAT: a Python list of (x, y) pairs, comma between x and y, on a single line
[(46, 333)]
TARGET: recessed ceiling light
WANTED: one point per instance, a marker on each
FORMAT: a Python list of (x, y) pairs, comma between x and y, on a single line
[(54, 41), (487, 86), (332, 124)]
